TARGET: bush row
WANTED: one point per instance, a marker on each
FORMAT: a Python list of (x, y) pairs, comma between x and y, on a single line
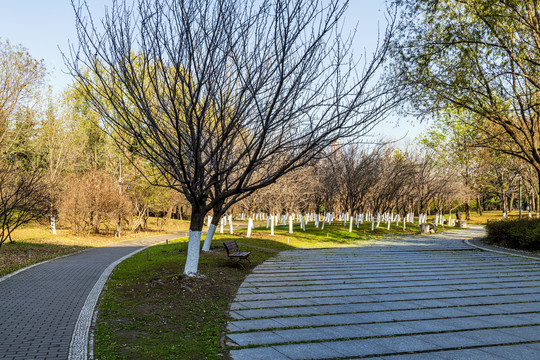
[(517, 234)]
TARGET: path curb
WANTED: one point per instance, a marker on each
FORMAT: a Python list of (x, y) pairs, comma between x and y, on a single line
[(78, 348), (477, 243)]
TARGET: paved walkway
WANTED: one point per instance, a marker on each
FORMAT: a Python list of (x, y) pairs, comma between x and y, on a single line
[(46, 310), (422, 297)]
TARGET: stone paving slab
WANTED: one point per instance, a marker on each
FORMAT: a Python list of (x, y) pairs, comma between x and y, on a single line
[(41, 305), (434, 296)]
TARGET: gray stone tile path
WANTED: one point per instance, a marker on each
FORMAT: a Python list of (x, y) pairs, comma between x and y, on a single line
[(45, 310), (417, 297)]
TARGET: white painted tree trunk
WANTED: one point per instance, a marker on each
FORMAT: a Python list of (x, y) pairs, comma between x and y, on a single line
[(209, 237), (250, 225), (350, 224), (230, 225), (192, 261), (272, 225), (323, 221), (290, 225), (53, 225), (209, 220), (267, 221), (221, 225), (372, 223), (388, 225)]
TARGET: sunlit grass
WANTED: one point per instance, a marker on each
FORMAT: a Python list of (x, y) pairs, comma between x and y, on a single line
[(495, 215), (329, 236)]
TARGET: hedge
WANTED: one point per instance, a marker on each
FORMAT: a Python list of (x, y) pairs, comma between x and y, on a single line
[(521, 234)]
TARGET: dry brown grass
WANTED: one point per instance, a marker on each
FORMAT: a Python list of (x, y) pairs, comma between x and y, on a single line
[(35, 242)]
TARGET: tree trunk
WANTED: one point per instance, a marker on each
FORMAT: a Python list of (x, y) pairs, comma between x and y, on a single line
[(169, 213), (467, 210), (211, 231), (479, 205), (194, 242), (512, 199)]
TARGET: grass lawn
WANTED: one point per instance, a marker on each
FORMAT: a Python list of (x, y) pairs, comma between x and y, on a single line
[(35, 242), (494, 215), (149, 310)]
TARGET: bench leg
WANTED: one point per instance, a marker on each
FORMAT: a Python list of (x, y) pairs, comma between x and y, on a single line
[(242, 265)]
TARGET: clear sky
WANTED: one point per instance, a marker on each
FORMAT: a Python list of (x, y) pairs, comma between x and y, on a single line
[(45, 28)]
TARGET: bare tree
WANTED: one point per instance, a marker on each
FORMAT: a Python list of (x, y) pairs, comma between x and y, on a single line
[(23, 197), (226, 96), (348, 176), (92, 202)]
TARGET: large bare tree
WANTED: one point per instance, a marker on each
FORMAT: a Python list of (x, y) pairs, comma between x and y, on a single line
[(226, 96)]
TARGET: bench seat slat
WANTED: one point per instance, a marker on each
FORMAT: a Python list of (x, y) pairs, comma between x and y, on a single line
[(240, 254)]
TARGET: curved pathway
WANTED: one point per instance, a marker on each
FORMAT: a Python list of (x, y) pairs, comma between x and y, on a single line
[(416, 297), (46, 310)]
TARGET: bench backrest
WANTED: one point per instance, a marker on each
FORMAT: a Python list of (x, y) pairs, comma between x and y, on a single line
[(230, 246)]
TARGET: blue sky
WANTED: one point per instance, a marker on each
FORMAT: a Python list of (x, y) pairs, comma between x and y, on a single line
[(46, 26)]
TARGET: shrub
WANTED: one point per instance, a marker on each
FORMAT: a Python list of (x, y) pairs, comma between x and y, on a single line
[(93, 202), (517, 234)]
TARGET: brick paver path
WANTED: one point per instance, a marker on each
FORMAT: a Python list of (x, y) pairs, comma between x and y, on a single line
[(421, 297), (39, 307)]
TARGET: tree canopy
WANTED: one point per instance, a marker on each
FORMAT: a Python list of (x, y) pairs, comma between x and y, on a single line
[(478, 62)]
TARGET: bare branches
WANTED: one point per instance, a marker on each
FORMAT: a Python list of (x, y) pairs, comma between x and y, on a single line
[(213, 92), (23, 197)]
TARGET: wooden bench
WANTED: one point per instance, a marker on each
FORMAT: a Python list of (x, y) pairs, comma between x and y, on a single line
[(233, 252)]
